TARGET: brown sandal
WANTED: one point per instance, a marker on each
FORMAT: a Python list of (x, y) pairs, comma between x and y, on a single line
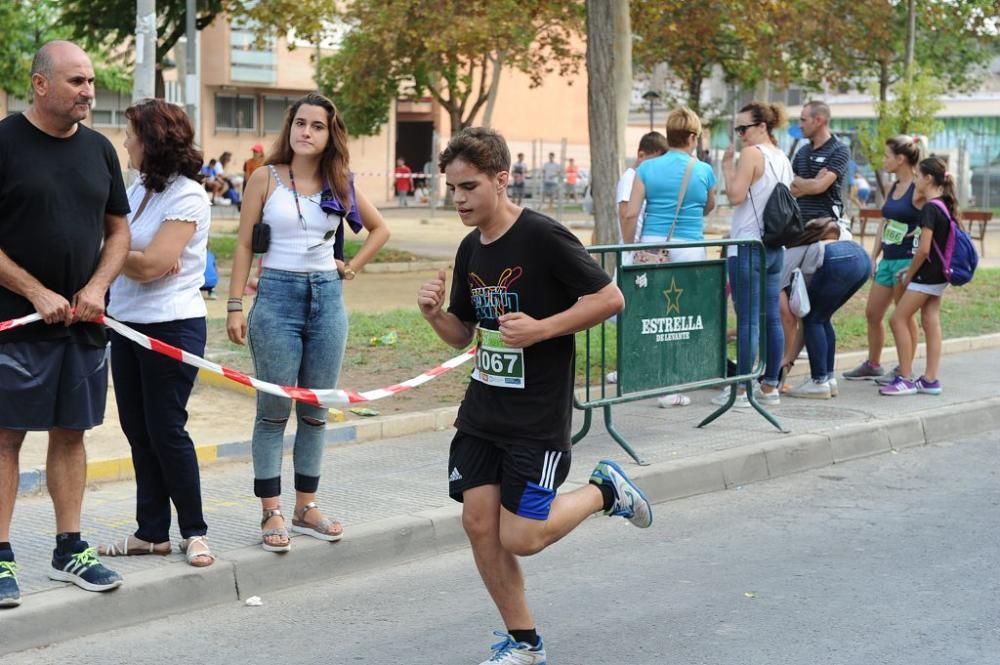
[(280, 532), (320, 530), (121, 548)]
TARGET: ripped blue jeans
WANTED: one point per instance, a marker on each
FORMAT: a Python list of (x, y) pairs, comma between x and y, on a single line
[(297, 330)]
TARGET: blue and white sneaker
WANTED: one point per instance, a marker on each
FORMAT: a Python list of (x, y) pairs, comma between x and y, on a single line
[(510, 652), (84, 569), (10, 592), (630, 502)]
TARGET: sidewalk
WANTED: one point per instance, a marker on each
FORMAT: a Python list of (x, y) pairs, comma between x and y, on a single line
[(391, 495)]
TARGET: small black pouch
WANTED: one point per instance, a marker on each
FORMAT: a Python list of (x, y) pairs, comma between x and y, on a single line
[(260, 241)]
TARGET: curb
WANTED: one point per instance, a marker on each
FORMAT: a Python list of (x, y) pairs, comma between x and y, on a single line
[(339, 433), (383, 427), (249, 571)]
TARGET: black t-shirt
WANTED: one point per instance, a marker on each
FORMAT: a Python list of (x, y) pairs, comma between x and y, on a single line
[(537, 267), (933, 220), (54, 194), (833, 156)]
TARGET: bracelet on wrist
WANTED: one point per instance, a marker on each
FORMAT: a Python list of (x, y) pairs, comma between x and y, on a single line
[(233, 308)]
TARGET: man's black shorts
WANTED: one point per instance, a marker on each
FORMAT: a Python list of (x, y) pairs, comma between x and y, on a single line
[(52, 383), (528, 475)]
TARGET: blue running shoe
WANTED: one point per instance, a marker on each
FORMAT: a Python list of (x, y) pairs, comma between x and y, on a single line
[(511, 652), (84, 569), (630, 502), (10, 593)]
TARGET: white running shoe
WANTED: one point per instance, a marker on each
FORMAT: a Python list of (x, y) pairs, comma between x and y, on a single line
[(834, 390), (772, 398), (810, 389), (612, 377), (630, 502), (509, 652), (723, 398)]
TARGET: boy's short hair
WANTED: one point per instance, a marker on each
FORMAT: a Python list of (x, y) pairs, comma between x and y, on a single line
[(481, 147), (653, 143)]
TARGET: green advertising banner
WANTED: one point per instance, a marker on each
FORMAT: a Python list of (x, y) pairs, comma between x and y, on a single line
[(673, 329)]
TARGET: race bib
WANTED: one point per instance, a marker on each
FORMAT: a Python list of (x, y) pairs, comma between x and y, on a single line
[(893, 232), (916, 237), (497, 364)]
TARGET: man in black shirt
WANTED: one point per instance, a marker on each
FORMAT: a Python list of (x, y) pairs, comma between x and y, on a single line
[(522, 286), (819, 166), (63, 239)]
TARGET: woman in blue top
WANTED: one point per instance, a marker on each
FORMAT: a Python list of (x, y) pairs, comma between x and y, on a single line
[(670, 214), (899, 233), (658, 185)]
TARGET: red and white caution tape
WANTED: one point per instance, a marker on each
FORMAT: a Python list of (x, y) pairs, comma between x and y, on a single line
[(329, 397)]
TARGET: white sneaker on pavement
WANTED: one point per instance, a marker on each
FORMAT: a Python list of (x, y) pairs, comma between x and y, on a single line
[(723, 398), (509, 652), (810, 389)]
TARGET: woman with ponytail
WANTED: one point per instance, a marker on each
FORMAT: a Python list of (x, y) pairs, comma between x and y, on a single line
[(898, 232), (924, 281), (749, 184), (293, 214)]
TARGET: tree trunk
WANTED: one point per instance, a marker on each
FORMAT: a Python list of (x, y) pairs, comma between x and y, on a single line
[(911, 30), (602, 118), (623, 76), (491, 100), (694, 90)]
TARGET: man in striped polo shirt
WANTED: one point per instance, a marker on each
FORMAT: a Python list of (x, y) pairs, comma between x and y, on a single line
[(819, 166)]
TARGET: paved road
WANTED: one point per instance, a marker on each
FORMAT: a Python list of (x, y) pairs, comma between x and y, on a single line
[(888, 560)]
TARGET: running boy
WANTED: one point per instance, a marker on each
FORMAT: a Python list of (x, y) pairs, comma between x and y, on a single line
[(522, 285)]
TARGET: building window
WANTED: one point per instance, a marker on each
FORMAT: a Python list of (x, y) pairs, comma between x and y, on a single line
[(249, 61), (109, 108), (274, 112), (235, 113)]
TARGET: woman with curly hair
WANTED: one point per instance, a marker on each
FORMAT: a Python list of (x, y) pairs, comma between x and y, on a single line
[(157, 293)]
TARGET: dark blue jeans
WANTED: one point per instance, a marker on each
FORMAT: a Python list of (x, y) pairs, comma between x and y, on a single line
[(152, 392), (744, 281), (845, 269)]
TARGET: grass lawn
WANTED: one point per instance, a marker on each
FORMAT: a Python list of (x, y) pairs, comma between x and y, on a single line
[(973, 309)]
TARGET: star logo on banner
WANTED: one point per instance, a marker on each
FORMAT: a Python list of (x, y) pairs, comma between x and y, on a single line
[(673, 296)]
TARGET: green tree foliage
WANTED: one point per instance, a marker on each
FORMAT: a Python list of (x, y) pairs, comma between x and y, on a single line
[(451, 50), (27, 24), (843, 43), (748, 39), (850, 44), (911, 108)]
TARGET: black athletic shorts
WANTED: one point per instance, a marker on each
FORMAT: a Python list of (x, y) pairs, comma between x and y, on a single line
[(52, 383), (528, 476)]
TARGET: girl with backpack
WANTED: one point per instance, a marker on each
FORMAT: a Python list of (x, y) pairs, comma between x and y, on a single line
[(925, 281)]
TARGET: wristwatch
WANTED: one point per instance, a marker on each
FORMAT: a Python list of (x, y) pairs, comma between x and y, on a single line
[(348, 272)]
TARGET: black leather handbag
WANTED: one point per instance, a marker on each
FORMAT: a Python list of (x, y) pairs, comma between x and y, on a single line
[(260, 241)]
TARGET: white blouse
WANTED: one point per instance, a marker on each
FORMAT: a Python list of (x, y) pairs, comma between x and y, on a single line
[(174, 297)]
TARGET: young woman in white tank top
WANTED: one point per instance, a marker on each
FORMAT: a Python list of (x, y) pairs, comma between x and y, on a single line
[(297, 327)]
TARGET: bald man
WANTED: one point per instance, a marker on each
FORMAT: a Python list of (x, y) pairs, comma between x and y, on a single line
[(63, 239)]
